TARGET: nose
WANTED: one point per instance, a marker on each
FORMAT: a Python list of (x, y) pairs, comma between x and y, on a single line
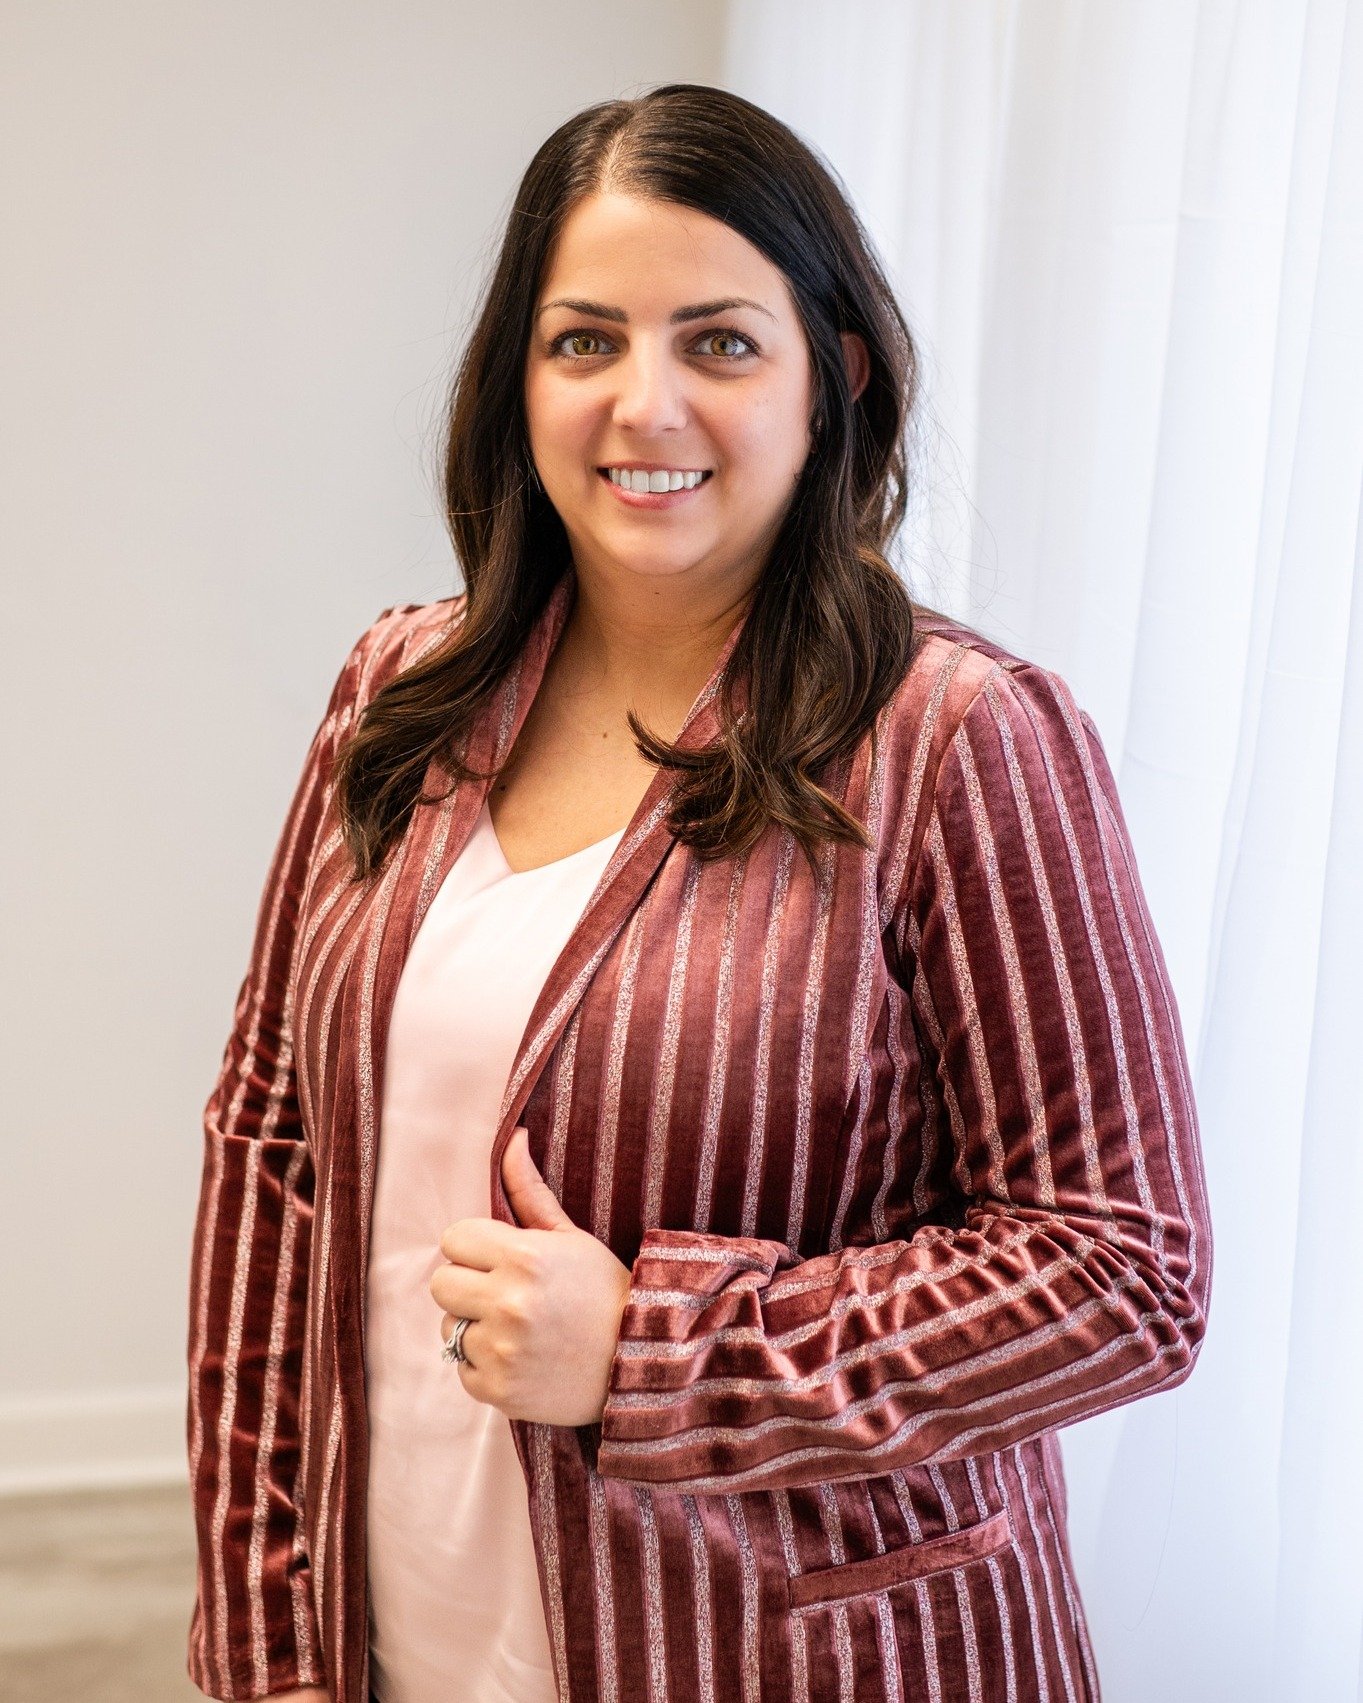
[(650, 395)]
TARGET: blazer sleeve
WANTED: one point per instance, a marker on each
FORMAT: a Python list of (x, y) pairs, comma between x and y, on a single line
[(253, 1630), (1076, 1274)]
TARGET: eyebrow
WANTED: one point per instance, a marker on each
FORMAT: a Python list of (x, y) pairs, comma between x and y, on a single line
[(683, 315)]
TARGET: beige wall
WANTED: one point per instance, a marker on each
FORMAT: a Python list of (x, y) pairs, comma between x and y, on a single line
[(243, 239)]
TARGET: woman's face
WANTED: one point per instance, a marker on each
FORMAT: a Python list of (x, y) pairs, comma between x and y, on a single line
[(665, 342)]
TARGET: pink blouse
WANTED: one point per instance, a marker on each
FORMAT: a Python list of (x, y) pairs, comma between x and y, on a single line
[(455, 1607)]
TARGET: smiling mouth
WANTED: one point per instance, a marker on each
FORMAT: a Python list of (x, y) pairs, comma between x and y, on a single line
[(644, 491)]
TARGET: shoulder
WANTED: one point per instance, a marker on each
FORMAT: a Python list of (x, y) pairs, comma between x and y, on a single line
[(971, 724), (959, 679), (395, 639)]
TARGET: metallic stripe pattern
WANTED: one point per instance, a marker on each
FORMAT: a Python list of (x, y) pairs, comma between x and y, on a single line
[(902, 1156)]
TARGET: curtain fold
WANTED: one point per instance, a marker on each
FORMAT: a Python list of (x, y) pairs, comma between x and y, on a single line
[(1129, 239)]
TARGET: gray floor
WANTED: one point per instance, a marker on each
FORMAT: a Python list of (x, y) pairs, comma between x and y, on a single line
[(95, 1597)]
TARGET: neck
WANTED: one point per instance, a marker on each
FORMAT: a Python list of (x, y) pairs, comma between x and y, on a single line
[(648, 644)]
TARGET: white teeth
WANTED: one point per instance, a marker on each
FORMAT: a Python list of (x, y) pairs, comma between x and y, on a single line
[(638, 479)]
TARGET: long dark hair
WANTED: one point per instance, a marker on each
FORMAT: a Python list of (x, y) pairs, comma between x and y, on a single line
[(830, 630)]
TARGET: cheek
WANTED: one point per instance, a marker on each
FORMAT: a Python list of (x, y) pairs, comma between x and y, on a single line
[(773, 416), (769, 439), (559, 419)]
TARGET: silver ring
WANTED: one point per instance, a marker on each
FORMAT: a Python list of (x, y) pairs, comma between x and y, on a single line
[(450, 1350)]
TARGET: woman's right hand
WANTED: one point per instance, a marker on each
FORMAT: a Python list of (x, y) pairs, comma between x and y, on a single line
[(309, 1694)]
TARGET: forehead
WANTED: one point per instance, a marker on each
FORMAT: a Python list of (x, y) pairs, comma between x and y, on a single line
[(649, 256)]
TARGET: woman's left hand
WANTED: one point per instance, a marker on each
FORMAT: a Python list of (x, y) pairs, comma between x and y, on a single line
[(545, 1300)]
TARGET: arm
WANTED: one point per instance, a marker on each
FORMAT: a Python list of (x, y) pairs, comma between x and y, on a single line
[(253, 1631), (1079, 1279)]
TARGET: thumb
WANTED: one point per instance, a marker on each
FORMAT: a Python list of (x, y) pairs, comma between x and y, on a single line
[(535, 1204)]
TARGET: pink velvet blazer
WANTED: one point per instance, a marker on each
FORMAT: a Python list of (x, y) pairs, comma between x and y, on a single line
[(905, 1165)]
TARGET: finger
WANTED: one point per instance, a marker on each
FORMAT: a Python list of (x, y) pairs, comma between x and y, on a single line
[(465, 1293), (448, 1325), (480, 1243)]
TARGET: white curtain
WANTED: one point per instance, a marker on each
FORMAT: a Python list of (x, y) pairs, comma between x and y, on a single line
[(1128, 235)]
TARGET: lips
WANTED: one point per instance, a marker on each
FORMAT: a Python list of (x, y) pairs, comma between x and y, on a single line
[(651, 467), (652, 499), (639, 467)]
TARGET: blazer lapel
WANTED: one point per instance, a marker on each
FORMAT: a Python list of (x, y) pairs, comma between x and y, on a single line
[(439, 832)]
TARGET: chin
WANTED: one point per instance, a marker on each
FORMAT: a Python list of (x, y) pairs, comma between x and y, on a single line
[(653, 567)]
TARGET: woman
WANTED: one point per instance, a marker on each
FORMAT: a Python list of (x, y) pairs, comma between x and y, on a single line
[(767, 952)]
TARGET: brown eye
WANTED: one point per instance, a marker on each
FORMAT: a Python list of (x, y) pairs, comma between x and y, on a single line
[(730, 337), (575, 340)]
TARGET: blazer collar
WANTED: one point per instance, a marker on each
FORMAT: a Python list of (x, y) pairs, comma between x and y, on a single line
[(440, 832)]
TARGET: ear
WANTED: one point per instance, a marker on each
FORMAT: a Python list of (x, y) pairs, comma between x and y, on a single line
[(857, 360)]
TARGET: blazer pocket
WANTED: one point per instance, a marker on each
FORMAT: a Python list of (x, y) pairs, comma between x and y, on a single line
[(900, 1566)]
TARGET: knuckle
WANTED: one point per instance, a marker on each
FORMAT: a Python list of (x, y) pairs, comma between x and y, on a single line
[(518, 1308), (527, 1261)]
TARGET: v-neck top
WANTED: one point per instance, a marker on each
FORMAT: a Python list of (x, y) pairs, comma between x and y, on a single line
[(455, 1607)]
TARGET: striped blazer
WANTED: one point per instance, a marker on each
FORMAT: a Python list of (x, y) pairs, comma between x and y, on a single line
[(904, 1162)]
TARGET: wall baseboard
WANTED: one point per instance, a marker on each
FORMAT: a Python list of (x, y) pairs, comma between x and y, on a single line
[(87, 1442)]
